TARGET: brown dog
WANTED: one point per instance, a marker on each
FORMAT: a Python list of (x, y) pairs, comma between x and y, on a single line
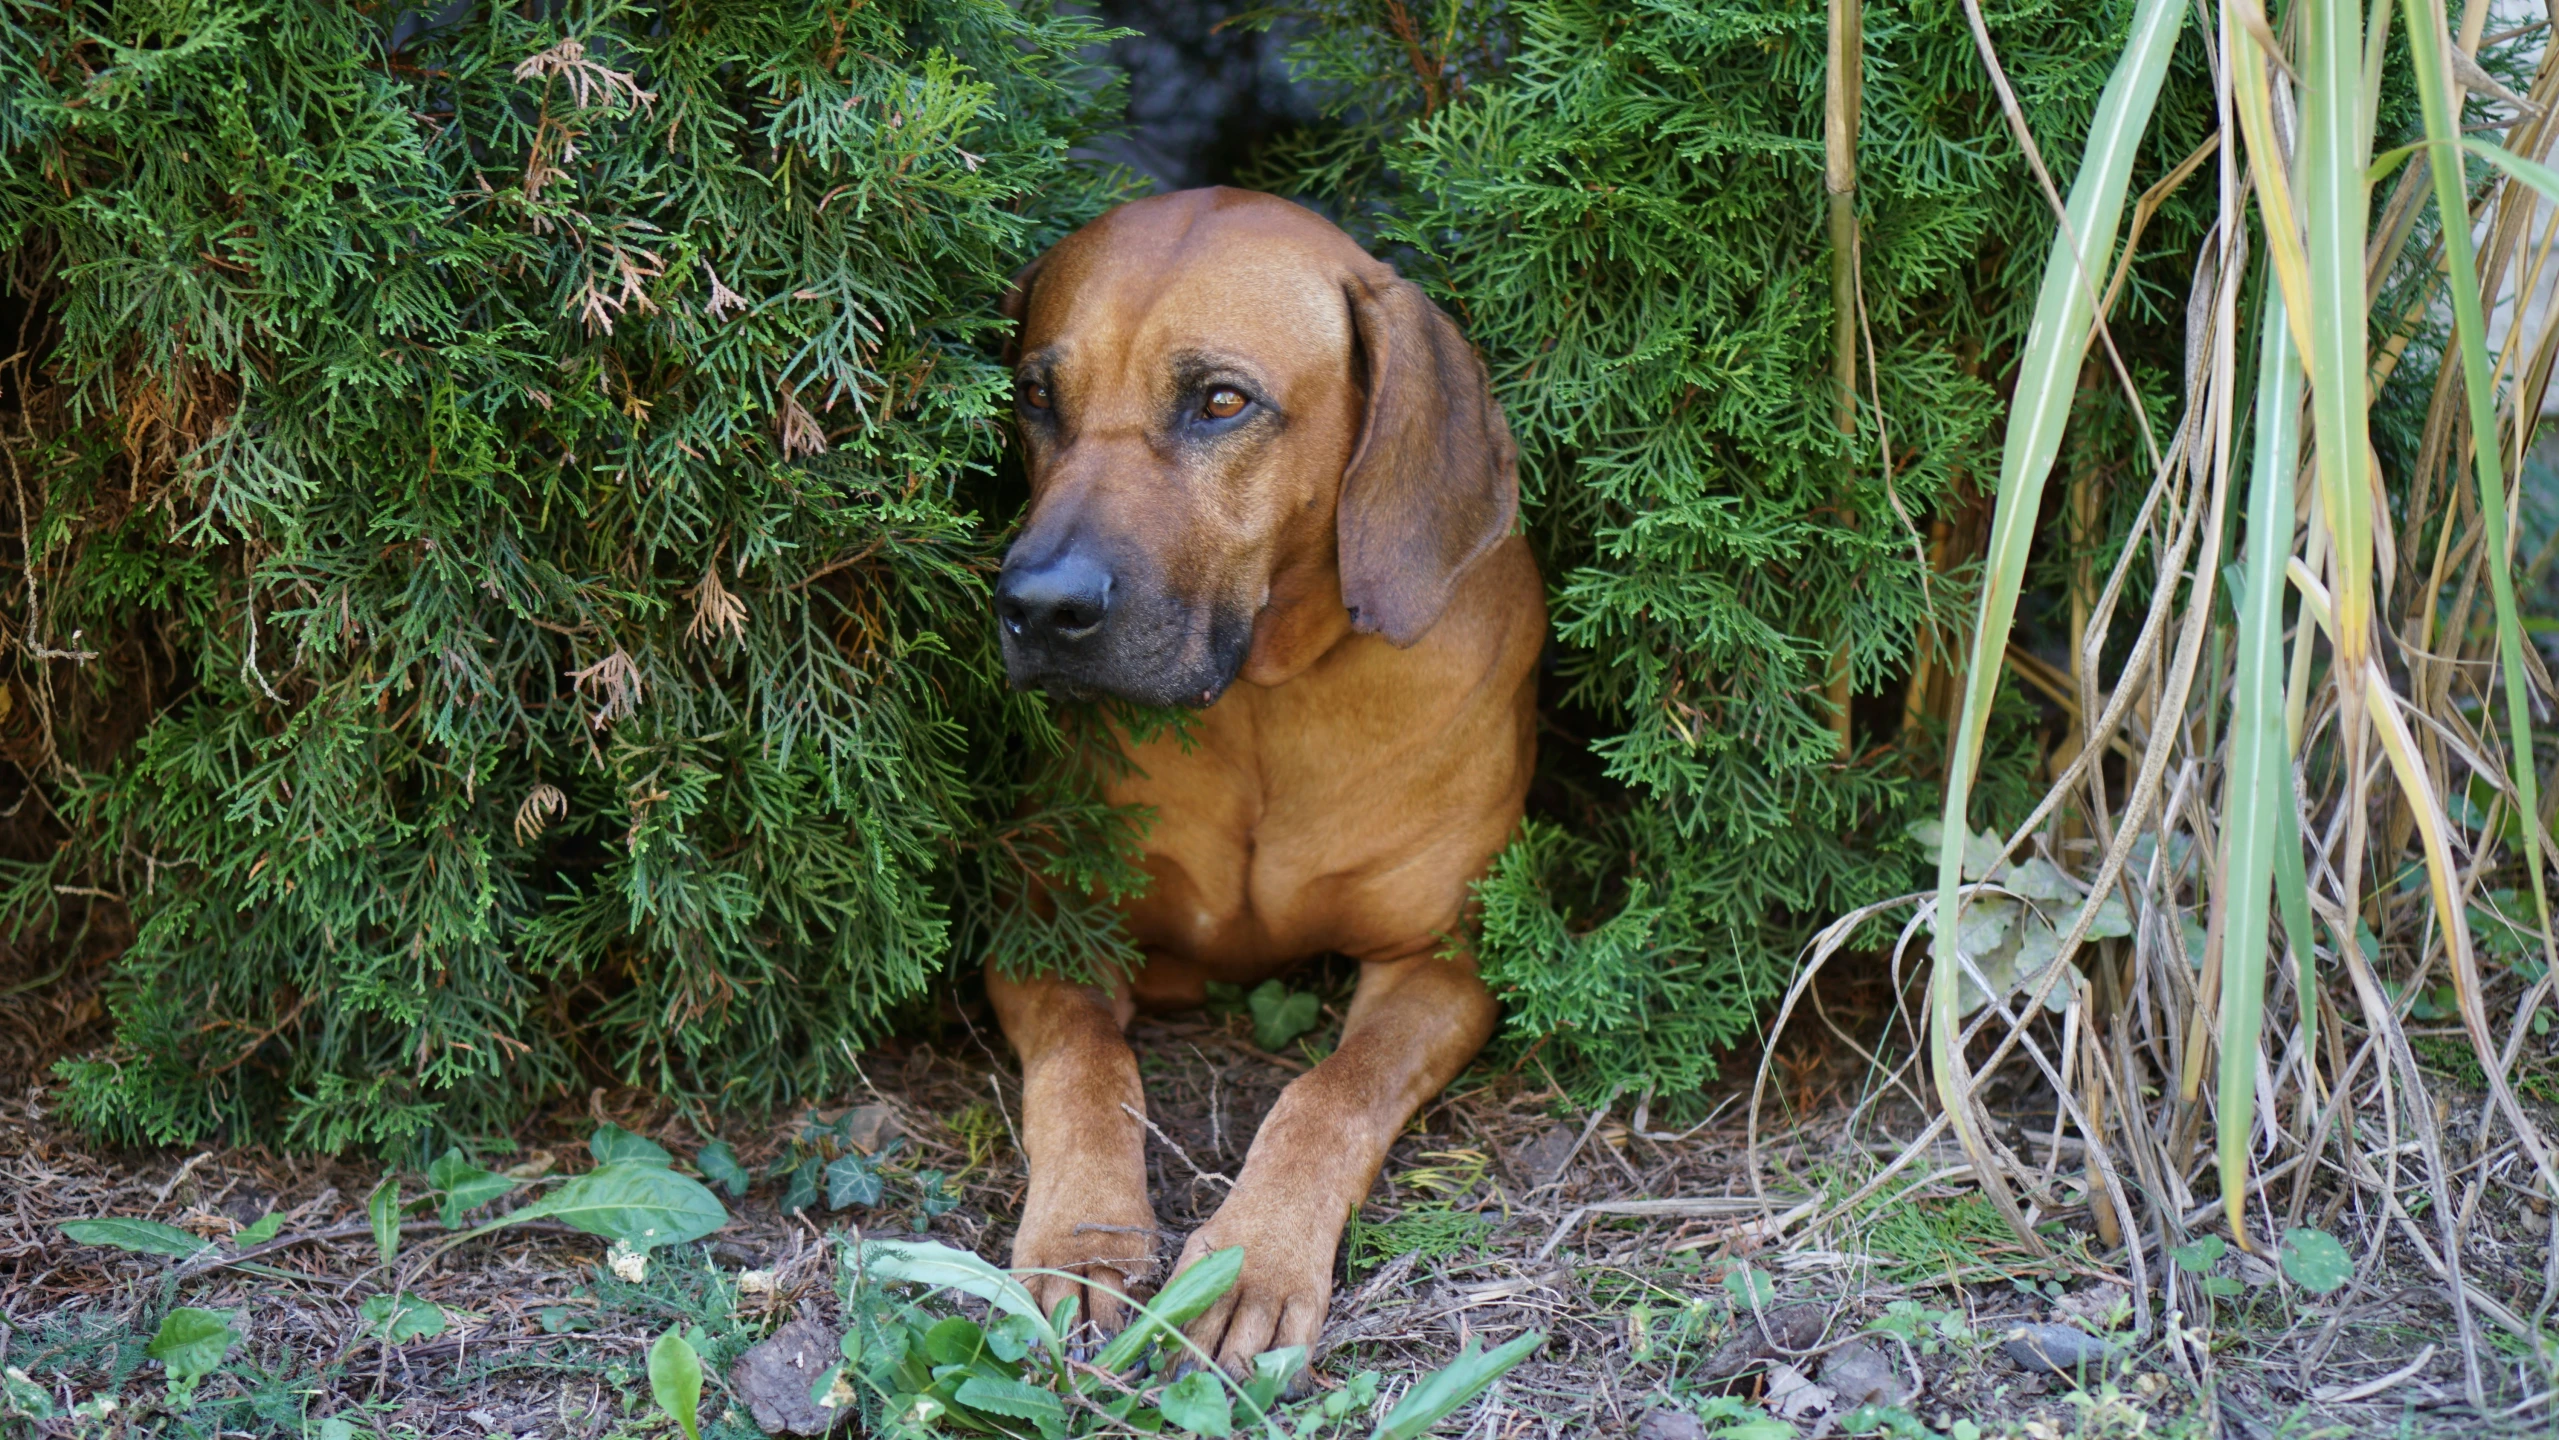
[(1258, 454)]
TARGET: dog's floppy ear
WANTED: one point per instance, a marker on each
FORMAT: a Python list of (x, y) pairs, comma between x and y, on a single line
[(1016, 304), (1434, 481)]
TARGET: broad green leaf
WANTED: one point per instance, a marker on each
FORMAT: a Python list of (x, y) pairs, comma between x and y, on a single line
[(1751, 1289), (1012, 1398), (611, 1143), (1198, 1402), (2199, 1254), (466, 1186), (260, 1232), (2315, 1261), (955, 1340), (1281, 1014), (192, 1342), (719, 1165), (382, 1208), (1011, 1338), (675, 1380), (642, 1204), (336, 1428), (146, 1237), (1272, 1370), (1184, 1298), (1436, 1397), (922, 1262), (399, 1319)]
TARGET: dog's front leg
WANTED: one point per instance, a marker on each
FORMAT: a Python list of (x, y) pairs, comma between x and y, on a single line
[(1414, 1023), (1087, 1211)]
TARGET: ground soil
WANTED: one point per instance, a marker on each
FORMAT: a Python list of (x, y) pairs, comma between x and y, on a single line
[(1505, 1207)]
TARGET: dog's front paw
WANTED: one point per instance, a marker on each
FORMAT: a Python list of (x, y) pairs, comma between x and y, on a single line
[(1287, 1280), (1103, 1245)]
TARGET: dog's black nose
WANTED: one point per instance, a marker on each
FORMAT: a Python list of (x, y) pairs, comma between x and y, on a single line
[(1062, 599)]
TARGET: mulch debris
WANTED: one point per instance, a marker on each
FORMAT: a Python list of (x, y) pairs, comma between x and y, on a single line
[(1504, 1208)]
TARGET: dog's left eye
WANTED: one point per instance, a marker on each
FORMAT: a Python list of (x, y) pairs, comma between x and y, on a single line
[(1224, 403)]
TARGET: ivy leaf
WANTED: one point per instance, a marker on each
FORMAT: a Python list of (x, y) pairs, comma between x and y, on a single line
[(1281, 1014), (191, 1343), (399, 1319), (611, 1143), (850, 1180), (466, 1186), (2315, 1261), (675, 1380), (1198, 1402), (719, 1165), (144, 1237), (803, 1188)]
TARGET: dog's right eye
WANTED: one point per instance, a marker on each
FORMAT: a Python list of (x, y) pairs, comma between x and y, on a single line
[(1035, 394)]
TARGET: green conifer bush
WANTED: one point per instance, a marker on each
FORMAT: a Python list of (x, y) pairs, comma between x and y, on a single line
[(1625, 207), (524, 466), (504, 498)]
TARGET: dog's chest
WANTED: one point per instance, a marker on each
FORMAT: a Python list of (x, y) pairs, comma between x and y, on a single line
[(1307, 822)]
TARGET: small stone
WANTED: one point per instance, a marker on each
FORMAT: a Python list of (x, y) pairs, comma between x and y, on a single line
[(2055, 1349), (1864, 1376), (775, 1377), (1669, 1425), (1541, 1160), (2099, 1307)]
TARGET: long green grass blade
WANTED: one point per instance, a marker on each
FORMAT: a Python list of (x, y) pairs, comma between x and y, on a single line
[(2330, 167), (2531, 172), (2056, 342), (2260, 784), (2292, 901), (2477, 379)]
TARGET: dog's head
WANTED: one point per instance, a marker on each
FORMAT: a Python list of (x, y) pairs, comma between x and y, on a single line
[(1244, 436)]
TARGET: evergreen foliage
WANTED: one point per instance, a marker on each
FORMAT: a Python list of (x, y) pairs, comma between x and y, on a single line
[(1625, 207), (525, 466), (508, 497)]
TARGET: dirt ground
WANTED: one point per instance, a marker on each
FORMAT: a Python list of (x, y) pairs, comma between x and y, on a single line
[(1631, 1245)]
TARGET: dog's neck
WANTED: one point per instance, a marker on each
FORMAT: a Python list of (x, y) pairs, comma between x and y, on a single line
[(1299, 624)]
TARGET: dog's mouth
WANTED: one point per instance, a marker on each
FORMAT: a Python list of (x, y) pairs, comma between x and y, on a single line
[(1164, 654)]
